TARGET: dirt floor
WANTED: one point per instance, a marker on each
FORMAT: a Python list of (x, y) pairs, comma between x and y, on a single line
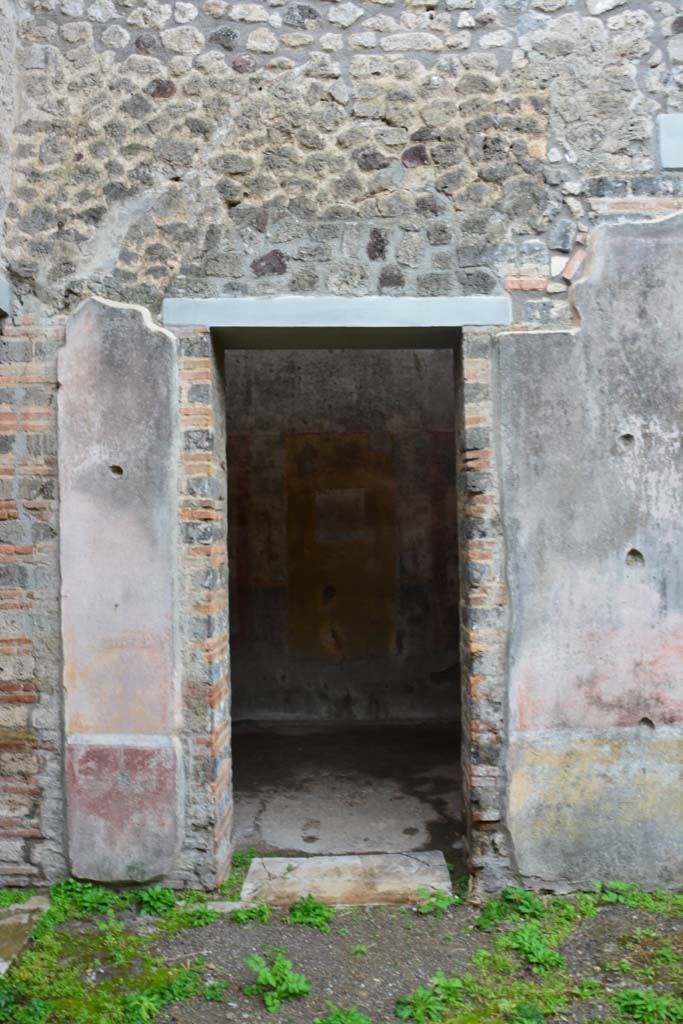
[(618, 949), (371, 789), (403, 950)]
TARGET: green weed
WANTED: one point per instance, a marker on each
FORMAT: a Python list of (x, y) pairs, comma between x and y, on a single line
[(311, 912), (657, 901), (339, 1016), (647, 1007), (260, 913), (359, 951), (590, 988), (156, 900), (231, 888), (436, 902), (275, 982), (512, 904), (192, 912), (530, 1014), (425, 1005), (422, 1006), (8, 897), (531, 945)]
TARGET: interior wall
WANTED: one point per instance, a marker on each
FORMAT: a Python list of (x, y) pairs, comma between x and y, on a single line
[(343, 535)]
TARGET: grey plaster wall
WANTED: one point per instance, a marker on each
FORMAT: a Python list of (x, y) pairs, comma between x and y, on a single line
[(592, 489), (336, 433)]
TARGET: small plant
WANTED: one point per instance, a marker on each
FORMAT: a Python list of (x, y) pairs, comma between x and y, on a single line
[(529, 943), (436, 902), (461, 884), (528, 1015), (157, 900), (194, 912), (646, 1007), (588, 989), (261, 913), (339, 1016), (231, 888), (143, 1007), (213, 991), (71, 898), (657, 901), (8, 897), (311, 912), (512, 904), (430, 1004), (275, 982), (422, 1006), (359, 951)]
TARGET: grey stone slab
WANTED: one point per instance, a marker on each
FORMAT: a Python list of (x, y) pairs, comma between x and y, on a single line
[(338, 311), (591, 469), (346, 880), (118, 455), (670, 140)]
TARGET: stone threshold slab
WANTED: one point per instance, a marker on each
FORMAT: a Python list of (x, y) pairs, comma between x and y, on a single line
[(346, 880), (16, 927)]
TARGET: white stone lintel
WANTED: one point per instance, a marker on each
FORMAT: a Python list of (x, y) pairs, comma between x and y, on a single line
[(5, 296), (670, 139), (338, 311)]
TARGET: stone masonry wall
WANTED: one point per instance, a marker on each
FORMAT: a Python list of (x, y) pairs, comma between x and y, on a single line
[(8, 99), (32, 818), (433, 148), (439, 147)]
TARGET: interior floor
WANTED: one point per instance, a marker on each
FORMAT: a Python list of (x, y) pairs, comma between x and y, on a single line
[(314, 789)]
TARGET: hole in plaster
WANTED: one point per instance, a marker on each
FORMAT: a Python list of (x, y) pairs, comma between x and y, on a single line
[(635, 557), (647, 723), (116, 470), (627, 439)]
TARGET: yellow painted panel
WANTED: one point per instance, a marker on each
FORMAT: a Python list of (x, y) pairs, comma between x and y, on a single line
[(341, 546)]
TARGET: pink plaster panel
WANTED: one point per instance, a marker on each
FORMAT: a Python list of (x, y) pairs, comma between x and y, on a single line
[(122, 818), (616, 667)]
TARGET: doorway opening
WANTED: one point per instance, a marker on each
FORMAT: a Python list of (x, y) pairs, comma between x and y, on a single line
[(344, 584)]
